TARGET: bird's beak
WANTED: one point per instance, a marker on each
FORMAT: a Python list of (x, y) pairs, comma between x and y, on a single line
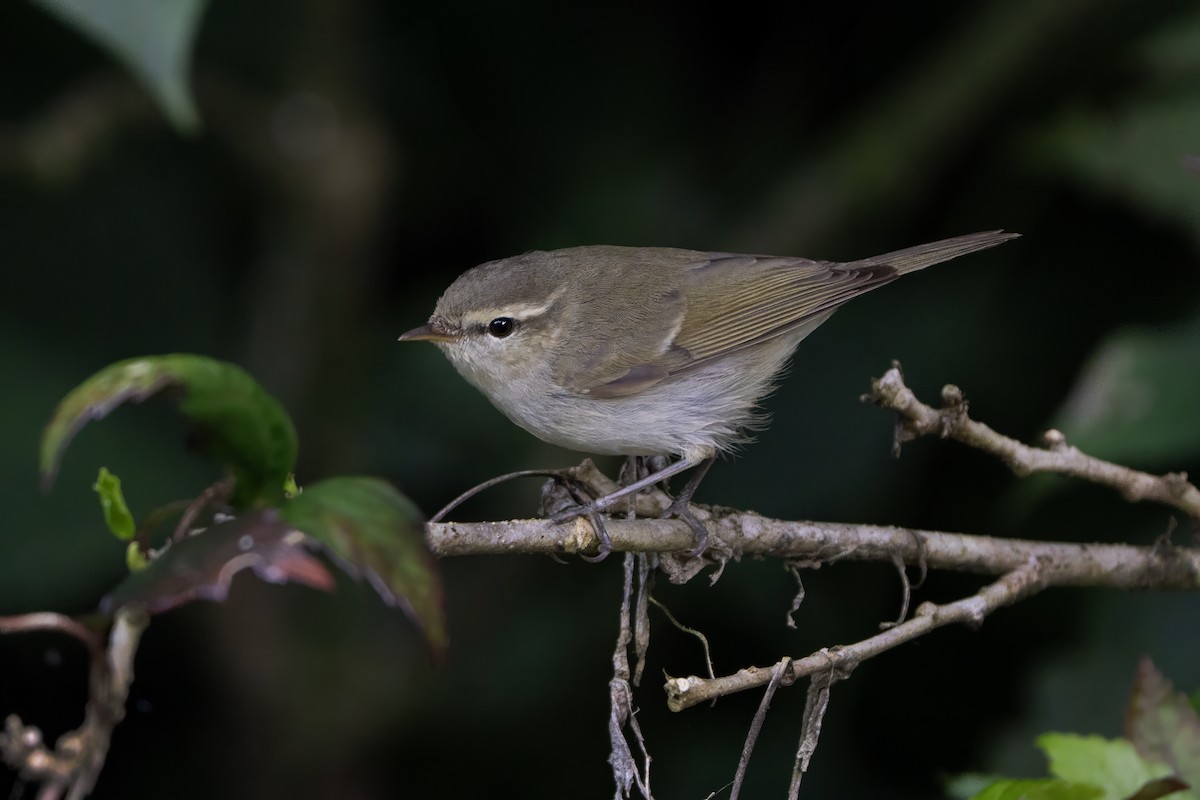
[(435, 331)]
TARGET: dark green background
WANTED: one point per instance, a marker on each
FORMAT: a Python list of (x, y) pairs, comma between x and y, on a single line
[(356, 156)]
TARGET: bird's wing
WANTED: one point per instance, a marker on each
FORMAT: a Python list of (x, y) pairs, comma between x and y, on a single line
[(628, 361), (725, 303), (739, 301)]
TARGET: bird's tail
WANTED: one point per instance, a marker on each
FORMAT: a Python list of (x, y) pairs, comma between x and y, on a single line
[(911, 259)]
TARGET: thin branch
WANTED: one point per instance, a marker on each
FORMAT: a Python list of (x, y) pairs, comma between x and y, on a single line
[(621, 712), (641, 617), (685, 629), (951, 422), (1020, 583), (217, 495), (760, 716), (489, 484), (50, 621), (74, 763), (905, 593)]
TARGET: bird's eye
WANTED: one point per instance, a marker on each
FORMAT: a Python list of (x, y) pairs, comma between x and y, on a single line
[(502, 326)]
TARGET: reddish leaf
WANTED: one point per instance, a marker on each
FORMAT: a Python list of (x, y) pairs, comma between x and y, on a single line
[(202, 566)]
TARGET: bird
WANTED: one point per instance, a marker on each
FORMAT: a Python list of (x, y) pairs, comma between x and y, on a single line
[(649, 351)]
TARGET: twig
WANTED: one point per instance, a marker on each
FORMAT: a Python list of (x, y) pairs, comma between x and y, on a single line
[(641, 617), (951, 421), (905, 594), (1020, 583), (215, 495), (700, 636), (50, 621), (625, 771), (760, 716), (491, 483), (74, 763)]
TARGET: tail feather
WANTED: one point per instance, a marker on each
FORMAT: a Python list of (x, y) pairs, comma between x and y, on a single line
[(911, 259)]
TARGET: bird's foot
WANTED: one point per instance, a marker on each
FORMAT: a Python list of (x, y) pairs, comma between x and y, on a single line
[(681, 509), (564, 498)]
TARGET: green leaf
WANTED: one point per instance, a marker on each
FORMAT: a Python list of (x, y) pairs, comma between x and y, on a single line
[(1113, 765), (152, 38), (116, 513), (379, 533), (240, 424), (203, 565), (135, 559), (1040, 789), (1162, 724), (1135, 400)]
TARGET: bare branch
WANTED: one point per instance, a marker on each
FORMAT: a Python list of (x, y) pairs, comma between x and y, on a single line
[(760, 716), (75, 761), (1021, 582), (1117, 566), (50, 621), (621, 710), (951, 421)]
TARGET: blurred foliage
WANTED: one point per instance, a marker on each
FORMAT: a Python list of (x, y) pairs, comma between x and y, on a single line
[(371, 529), (356, 156), (1159, 755), (377, 533), (233, 420), (1136, 397), (1090, 768), (153, 39)]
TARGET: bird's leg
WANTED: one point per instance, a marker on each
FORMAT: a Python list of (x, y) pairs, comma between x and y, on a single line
[(681, 507), (632, 468), (678, 508), (610, 499), (605, 547)]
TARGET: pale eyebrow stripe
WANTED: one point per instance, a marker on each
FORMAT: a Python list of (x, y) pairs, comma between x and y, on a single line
[(520, 312)]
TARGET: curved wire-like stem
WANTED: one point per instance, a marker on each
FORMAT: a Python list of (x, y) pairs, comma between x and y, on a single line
[(555, 474)]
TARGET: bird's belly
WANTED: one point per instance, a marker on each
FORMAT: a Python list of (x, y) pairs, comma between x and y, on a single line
[(703, 411)]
